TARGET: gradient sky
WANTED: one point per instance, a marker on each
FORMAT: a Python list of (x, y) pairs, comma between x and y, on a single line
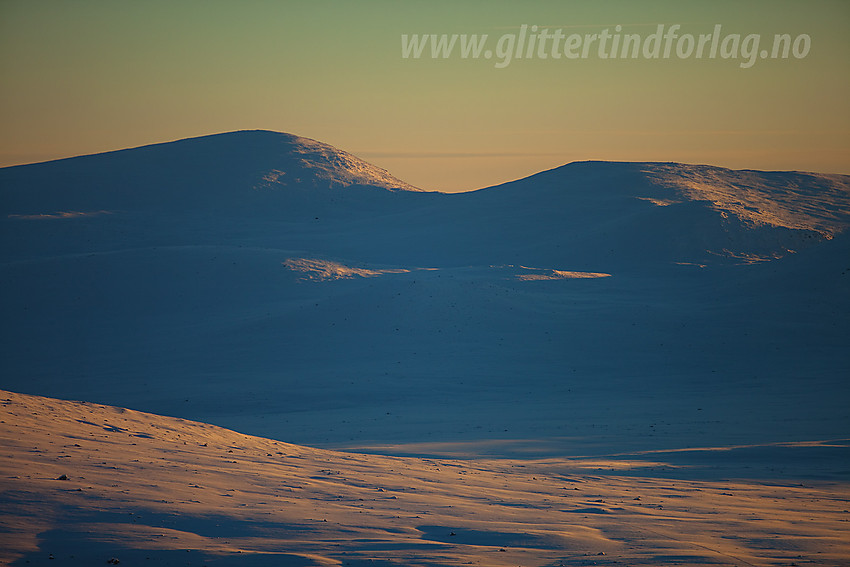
[(90, 76)]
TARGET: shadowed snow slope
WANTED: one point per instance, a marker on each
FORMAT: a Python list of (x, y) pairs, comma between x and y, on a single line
[(237, 169), (276, 285)]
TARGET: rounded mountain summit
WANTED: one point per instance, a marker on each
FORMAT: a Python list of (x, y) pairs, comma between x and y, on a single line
[(203, 172)]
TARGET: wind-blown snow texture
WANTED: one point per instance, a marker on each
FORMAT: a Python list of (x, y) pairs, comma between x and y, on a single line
[(281, 287)]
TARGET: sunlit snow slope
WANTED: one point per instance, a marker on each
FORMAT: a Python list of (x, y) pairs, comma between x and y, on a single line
[(85, 484)]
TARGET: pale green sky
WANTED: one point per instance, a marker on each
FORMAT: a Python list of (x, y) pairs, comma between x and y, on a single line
[(90, 76)]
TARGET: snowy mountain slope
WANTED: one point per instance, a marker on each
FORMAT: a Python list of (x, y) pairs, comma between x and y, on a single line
[(631, 213), (220, 171), (138, 488), (352, 315), (803, 201)]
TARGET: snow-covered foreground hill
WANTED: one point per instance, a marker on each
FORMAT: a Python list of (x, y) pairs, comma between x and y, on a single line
[(85, 484), (277, 286)]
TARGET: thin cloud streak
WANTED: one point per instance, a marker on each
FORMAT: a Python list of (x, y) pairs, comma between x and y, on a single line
[(432, 155)]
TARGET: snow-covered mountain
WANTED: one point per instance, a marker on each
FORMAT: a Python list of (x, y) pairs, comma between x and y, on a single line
[(276, 285), (217, 172)]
